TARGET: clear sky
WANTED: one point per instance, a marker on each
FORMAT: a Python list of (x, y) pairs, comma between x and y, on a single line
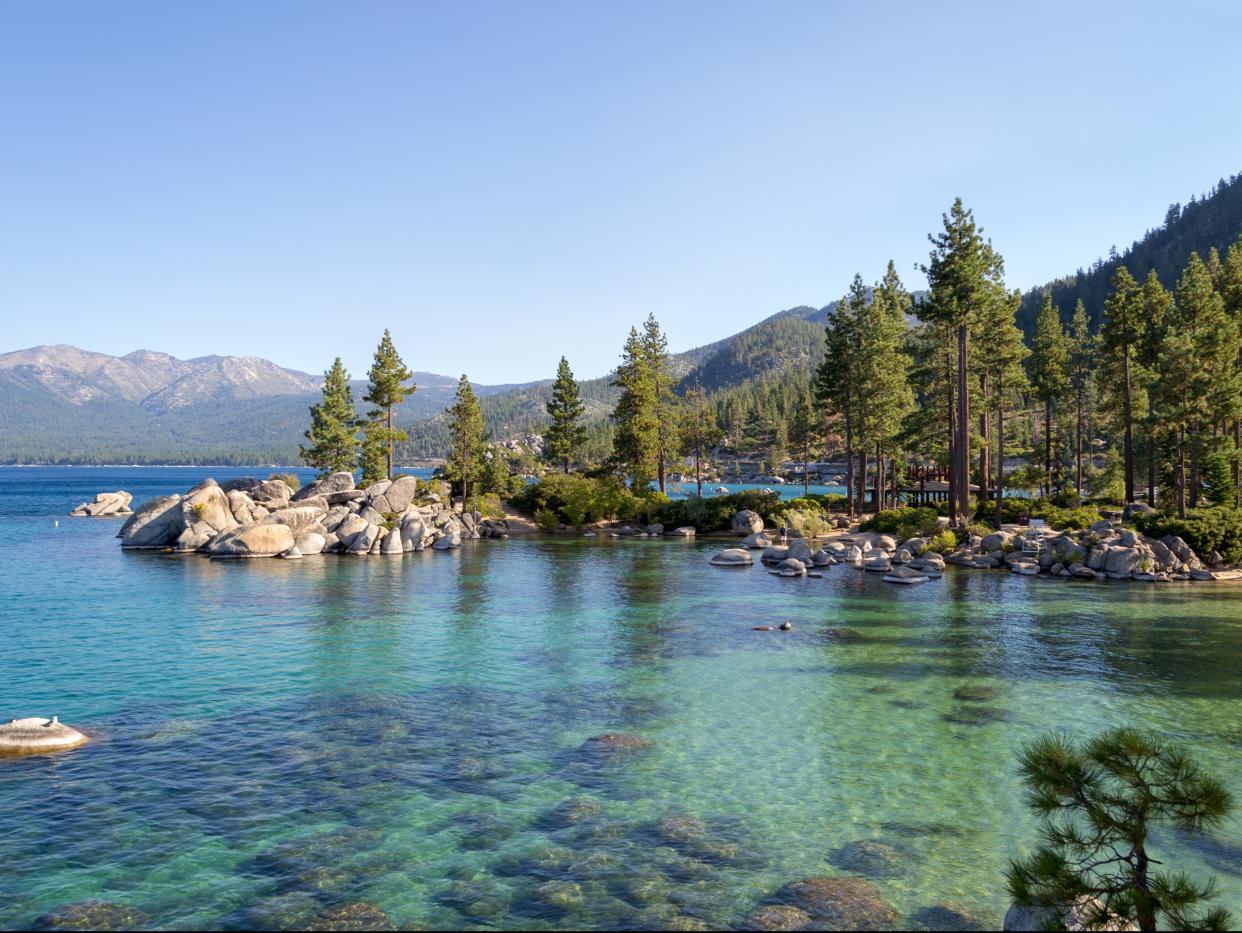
[(501, 183)]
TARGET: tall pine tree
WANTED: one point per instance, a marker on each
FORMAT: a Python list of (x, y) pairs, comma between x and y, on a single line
[(465, 460), (334, 424), (566, 434), (387, 390), (1049, 362)]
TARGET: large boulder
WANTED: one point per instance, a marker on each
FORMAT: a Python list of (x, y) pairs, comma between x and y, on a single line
[(790, 567), (367, 540), (746, 522), (208, 503), (311, 543), (801, 551), (241, 505), (995, 541), (1182, 551), (448, 541), (757, 541), (106, 503), (732, 557), (396, 497), (241, 484), (272, 494), (774, 555), (349, 529), (1087, 913), (1123, 561), (334, 482), (156, 523), (392, 543), (259, 540), (299, 518)]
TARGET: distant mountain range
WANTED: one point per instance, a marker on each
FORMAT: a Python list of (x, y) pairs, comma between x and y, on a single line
[(61, 404)]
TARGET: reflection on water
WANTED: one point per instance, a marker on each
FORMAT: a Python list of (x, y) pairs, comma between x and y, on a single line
[(405, 740)]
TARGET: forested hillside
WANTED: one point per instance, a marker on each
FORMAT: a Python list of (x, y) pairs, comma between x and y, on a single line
[(1204, 223)]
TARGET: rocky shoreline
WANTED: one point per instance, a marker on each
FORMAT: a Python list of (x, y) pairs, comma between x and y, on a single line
[(1104, 551), (249, 517)]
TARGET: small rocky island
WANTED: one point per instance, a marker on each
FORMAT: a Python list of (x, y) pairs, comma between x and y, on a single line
[(248, 517)]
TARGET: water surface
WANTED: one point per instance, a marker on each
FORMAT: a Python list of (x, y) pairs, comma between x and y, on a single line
[(275, 738)]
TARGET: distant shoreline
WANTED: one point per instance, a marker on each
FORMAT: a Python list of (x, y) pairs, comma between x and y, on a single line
[(418, 465)]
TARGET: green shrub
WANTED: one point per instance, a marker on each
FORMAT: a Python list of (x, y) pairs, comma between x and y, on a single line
[(546, 519), (289, 479), (488, 505), (1205, 530), (920, 521), (941, 542), (716, 513), (391, 520)]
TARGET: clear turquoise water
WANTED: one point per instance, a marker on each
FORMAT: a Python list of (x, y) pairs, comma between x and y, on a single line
[(275, 737)]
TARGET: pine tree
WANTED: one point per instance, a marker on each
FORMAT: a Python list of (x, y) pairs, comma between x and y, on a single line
[(655, 348), (566, 434), (700, 432), (804, 434), (884, 371), (467, 430), (334, 424), (835, 386), (1080, 367), (959, 272), (1002, 377), (1156, 310), (1098, 804), (371, 452), (387, 390), (636, 445), (1120, 333), (1048, 364)]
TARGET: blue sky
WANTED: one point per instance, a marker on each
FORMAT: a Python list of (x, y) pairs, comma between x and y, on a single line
[(501, 183)]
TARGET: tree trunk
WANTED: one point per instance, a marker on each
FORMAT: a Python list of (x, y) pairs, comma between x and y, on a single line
[(698, 469), (1194, 468), (1000, 463), (1144, 911), (806, 477), (1078, 448), (1047, 447), (1181, 473), (985, 450), (879, 478), (862, 481), (1151, 452), (952, 479), (963, 425), (849, 468), (660, 471), (390, 442), (1127, 415)]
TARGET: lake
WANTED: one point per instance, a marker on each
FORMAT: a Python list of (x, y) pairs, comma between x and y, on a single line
[(275, 739)]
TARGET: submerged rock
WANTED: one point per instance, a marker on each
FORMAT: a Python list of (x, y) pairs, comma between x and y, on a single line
[(38, 736), (358, 915), (92, 915), (611, 743), (948, 917), (777, 917), (976, 693), (871, 858), (841, 903)]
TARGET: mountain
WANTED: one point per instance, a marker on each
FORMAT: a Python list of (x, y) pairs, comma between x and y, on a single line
[(61, 404), (1212, 220), (785, 341)]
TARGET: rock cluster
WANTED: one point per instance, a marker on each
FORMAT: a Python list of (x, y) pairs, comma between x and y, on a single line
[(105, 504), (265, 518), (1103, 550)]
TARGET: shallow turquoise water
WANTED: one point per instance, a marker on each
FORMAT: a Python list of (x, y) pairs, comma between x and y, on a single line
[(276, 737)]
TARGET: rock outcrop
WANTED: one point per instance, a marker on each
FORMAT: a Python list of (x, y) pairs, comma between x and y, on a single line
[(105, 504), (252, 518), (38, 736)]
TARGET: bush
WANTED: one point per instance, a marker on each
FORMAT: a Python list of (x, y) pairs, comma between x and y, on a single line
[(716, 513), (488, 505), (920, 521), (577, 500), (289, 479), (1205, 530), (546, 519), (1016, 509), (941, 542)]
